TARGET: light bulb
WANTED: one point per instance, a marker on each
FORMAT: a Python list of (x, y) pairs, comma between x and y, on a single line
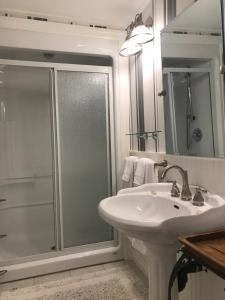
[(129, 48)]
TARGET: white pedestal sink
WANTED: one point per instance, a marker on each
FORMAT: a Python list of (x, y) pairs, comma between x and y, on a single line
[(150, 214)]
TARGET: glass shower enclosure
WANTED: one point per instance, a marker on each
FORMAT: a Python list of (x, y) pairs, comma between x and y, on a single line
[(189, 119), (56, 158)]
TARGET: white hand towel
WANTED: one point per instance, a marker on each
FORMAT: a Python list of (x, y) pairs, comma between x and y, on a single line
[(139, 174), (145, 172), (151, 173), (128, 172)]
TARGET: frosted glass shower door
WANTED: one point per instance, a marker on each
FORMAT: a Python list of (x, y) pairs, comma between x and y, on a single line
[(26, 179), (85, 177)]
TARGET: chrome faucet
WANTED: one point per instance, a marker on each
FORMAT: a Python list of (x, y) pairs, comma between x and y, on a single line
[(185, 193)]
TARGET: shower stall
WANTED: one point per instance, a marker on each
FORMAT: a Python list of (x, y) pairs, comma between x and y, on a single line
[(189, 115), (57, 162)]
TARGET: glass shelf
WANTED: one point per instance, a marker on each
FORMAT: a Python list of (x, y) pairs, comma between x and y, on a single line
[(146, 134)]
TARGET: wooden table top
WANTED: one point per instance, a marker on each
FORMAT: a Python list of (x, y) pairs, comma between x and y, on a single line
[(208, 249)]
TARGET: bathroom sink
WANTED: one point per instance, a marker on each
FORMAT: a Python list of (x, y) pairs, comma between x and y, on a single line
[(150, 214)]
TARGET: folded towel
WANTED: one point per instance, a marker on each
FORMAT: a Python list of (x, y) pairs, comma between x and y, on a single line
[(128, 172), (145, 172)]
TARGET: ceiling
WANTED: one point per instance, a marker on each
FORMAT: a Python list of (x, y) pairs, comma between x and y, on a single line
[(111, 13)]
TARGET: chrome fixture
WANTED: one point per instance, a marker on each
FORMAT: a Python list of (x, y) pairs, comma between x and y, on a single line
[(129, 47), (201, 188), (185, 193), (197, 135), (198, 199), (189, 111), (163, 163), (175, 192), (141, 34), (137, 34)]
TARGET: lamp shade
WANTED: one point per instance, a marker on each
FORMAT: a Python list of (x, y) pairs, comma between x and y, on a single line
[(129, 48), (141, 34)]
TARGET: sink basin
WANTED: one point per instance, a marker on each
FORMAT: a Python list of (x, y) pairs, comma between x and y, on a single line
[(149, 213)]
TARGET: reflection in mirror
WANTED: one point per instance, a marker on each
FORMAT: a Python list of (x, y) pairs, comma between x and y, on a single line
[(193, 85)]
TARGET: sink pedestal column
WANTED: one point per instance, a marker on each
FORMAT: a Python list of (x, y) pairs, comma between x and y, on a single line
[(161, 260)]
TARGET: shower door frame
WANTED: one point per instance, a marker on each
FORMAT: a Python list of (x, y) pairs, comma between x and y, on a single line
[(169, 71), (109, 250)]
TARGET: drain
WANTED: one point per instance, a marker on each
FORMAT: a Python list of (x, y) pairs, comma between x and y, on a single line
[(176, 206)]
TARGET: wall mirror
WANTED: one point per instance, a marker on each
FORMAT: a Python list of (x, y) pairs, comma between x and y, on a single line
[(193, 88)]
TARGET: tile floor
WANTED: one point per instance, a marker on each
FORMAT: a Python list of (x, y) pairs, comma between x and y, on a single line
[(59, 285)]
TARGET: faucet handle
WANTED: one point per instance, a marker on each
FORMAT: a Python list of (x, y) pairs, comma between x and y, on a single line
[(199, 188), (175, 191), (198, 199)]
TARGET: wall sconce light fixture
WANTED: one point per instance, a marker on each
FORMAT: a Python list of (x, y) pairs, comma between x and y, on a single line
[(129, 47), (137, 34), (141, 34)]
